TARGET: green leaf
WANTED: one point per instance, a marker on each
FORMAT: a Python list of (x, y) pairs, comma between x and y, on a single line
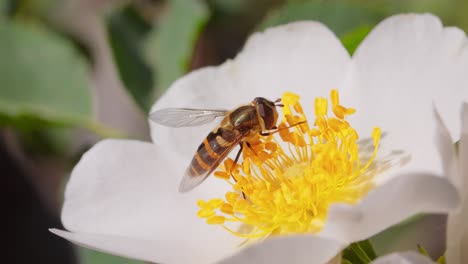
[(4, 7), (340, 16), (54, 141), (360, 252), (171, 46), (32, 10), (229, 6), (93, 257), (352, 39), (44, 80), (126, 34)]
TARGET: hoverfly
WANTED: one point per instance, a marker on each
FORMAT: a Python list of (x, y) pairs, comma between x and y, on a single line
[(237, 127)]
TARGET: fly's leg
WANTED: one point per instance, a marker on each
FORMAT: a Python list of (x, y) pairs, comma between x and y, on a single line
[(251, 148), (272, 131), (236, 159)]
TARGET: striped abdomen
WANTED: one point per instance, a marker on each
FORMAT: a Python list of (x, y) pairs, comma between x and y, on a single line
[(214, 148)]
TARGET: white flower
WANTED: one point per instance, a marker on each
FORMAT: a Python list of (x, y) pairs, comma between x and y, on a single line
[(122, 196)]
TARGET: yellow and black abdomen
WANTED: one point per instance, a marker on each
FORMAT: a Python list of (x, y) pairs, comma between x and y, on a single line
[(211, 152)]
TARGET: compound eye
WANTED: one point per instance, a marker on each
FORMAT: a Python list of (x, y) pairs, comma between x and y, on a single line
[(261, 110), (266, 112), (259, 100)]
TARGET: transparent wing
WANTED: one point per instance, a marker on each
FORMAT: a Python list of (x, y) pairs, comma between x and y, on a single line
[(185, 117)]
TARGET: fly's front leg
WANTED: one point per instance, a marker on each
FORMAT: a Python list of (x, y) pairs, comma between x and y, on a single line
[(275, 130), (251, 148), (236, 159)]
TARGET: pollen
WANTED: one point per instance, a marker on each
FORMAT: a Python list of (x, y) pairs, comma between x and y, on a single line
[(286, 182)]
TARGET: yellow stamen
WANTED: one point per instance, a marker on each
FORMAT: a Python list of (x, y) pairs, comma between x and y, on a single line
[(283, 188)]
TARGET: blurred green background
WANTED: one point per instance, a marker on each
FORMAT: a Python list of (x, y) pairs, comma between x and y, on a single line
[(73, 72)]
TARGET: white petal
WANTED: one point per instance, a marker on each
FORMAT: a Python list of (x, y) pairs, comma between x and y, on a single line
[(407, 63), (447, 151), (463, 156), (129, 247), (390, 204), (304, 249), (303, 57), (123, 198), (457, 229), (403, 258)]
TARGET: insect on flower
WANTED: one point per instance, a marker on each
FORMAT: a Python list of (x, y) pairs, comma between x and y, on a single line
[(237, 127)]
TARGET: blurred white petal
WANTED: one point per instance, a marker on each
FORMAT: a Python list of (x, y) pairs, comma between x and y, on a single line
[(403, 258), (401, 69), (303, 249), (404, 66), (457, 225), (388, 205), (411, 233), (123, 194)]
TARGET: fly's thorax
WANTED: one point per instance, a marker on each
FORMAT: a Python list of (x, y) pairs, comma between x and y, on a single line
[(244, 118), (266, 112)]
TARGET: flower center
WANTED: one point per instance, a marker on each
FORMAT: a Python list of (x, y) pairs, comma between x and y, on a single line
[(285, 184)]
